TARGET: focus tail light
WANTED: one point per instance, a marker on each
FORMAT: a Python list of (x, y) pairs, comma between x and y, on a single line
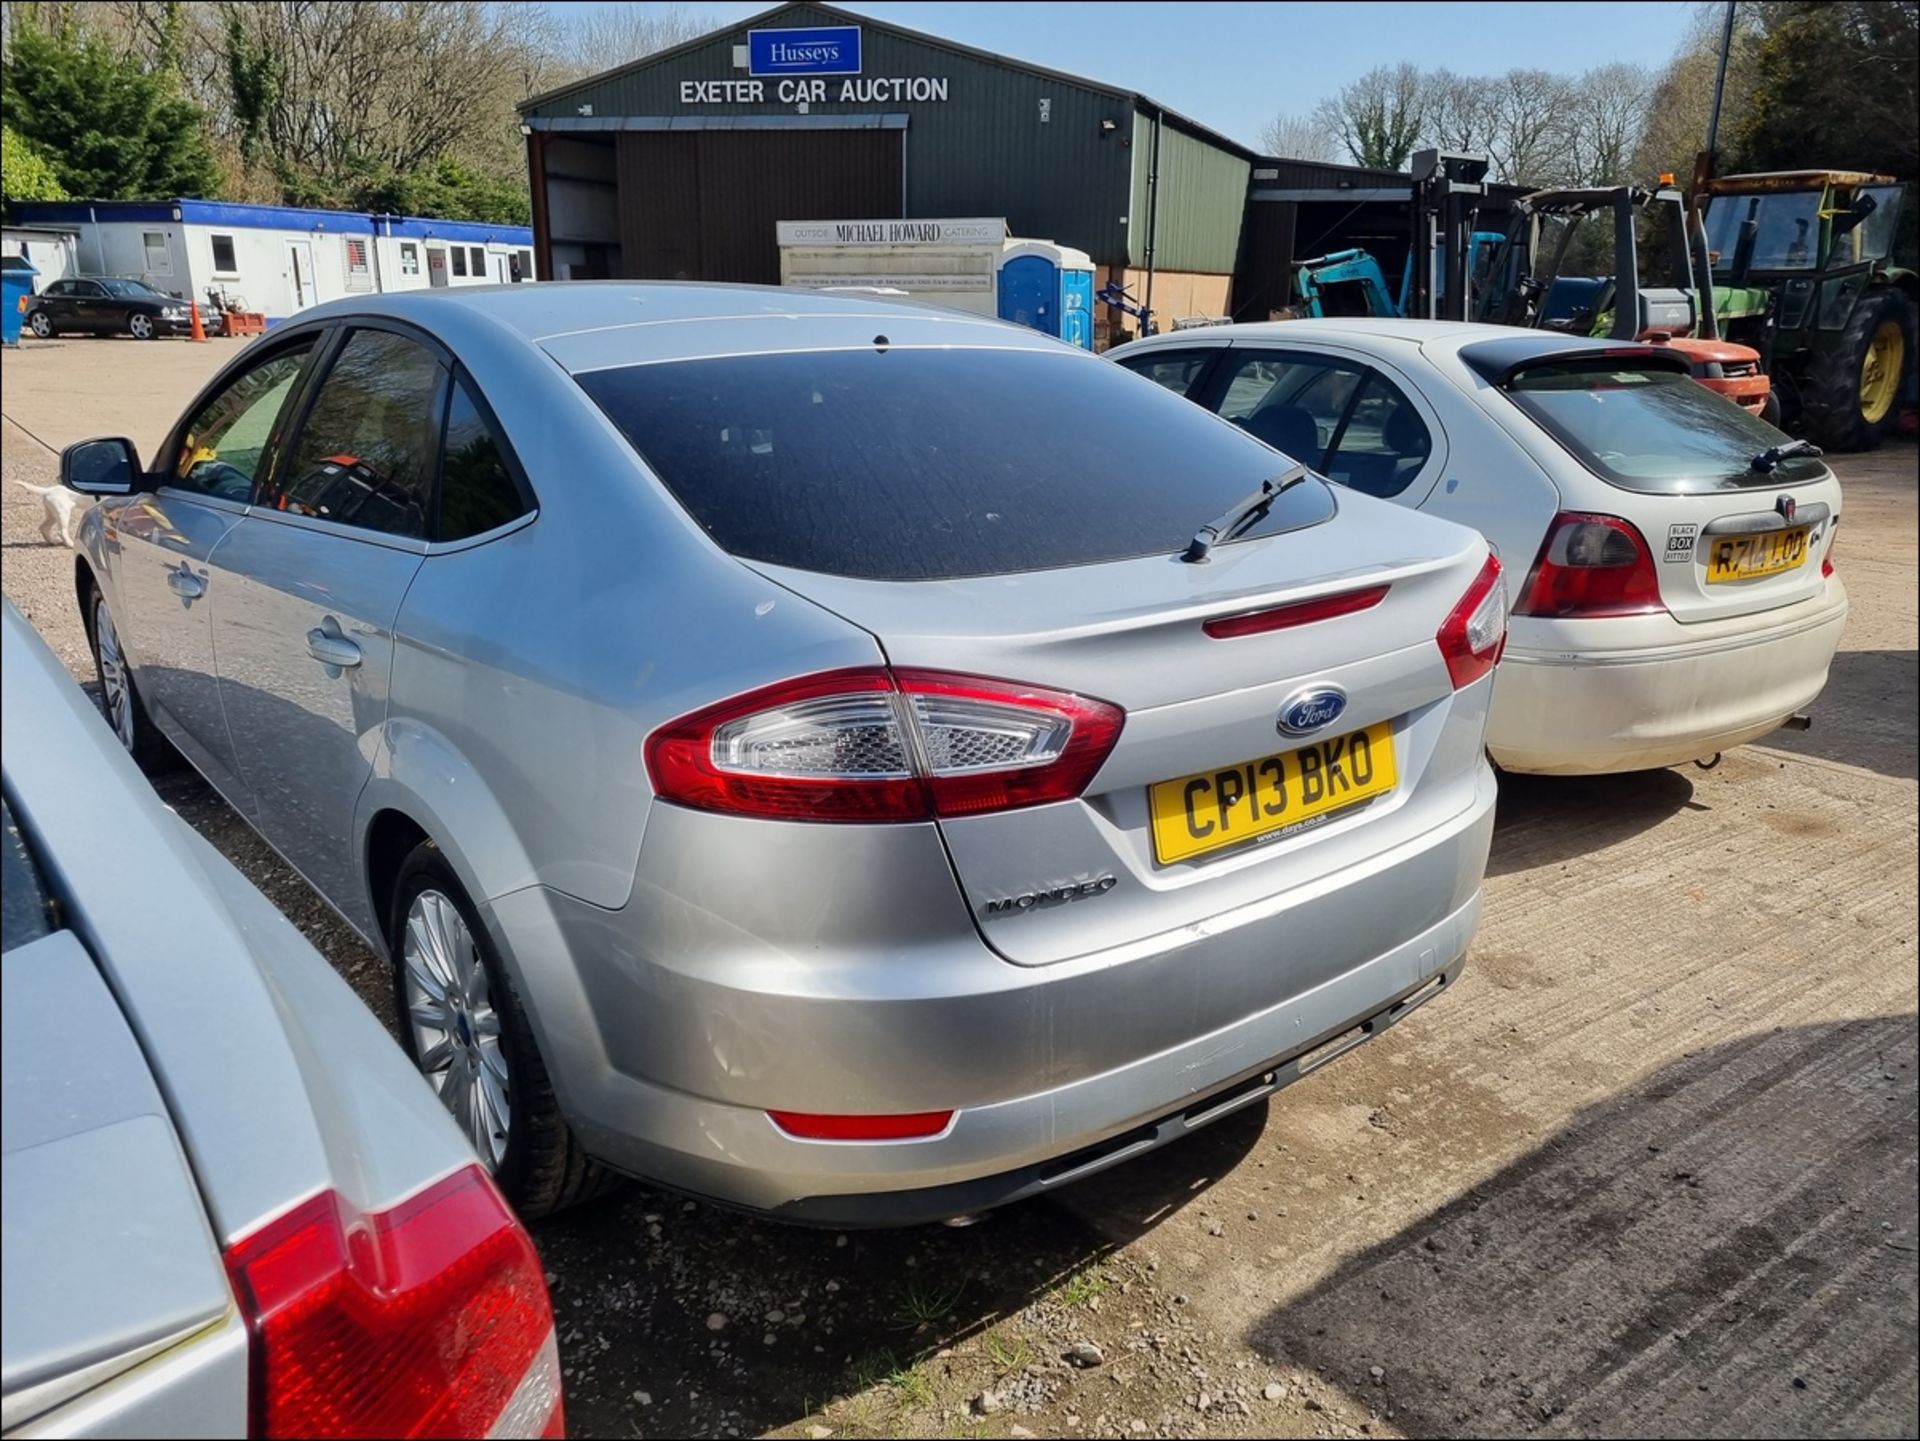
[(1475, 631), (1591, 566), (428, 1319), (880, 745)]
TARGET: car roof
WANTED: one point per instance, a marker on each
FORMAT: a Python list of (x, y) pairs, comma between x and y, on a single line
[(1430, 337), (578, 319)]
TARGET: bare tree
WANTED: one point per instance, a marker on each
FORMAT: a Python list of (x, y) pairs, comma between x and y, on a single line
[(1533, 127), (1298, 137), (587, 39), (1461, 112), (1609, 115), (1379, 117), (329, 86)]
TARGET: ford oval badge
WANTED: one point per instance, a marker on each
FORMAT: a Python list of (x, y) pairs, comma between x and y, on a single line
[(1312, 710)]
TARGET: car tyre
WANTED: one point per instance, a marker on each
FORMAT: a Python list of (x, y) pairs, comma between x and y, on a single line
[(126, 714), (41, 324), (473, 1042), (141, 327)]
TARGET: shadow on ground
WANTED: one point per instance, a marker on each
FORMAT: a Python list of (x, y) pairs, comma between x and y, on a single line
[(1699, 1233), (1549, 820), (1878, 691), (805, 1316)]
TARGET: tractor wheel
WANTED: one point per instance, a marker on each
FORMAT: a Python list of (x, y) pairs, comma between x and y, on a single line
[(1853, 391)]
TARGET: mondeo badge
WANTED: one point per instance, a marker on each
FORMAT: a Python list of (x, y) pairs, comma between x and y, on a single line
[(1310, 710), (1052, 895)]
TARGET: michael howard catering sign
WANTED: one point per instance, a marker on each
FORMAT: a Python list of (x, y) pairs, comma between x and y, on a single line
[(828, 50)]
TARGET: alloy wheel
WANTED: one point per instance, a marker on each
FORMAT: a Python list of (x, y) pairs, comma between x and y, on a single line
[(141, 327), (454, 1026), (42, 326), (114, 682)]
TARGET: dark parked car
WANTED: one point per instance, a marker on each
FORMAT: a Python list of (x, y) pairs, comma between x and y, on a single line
[(107, 305)]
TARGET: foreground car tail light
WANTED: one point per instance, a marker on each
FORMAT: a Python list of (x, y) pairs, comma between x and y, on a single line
[(880, 745), (1475, 631), (1590, 566), (428, 1319), (911, 1127)]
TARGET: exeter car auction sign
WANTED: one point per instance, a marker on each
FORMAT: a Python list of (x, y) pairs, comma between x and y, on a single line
[(790, 67)]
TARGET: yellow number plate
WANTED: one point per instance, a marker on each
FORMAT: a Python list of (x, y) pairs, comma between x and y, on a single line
[(1234, 804), (1768, 552)]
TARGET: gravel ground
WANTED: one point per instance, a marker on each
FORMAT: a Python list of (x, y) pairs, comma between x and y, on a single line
[(1649, 1170)]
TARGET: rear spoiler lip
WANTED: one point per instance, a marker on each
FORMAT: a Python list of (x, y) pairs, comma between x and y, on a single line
[(1501, 362)]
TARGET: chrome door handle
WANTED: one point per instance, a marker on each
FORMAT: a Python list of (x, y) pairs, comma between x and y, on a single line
[(332, 649), (185, 584)]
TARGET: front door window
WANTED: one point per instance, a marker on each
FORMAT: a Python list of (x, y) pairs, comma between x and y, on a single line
[(223, 447)]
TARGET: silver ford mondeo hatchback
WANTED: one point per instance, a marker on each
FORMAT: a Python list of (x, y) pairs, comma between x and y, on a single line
[(847, 759)]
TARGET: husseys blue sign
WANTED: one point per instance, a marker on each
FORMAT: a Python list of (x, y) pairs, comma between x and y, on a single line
[(826, 50)]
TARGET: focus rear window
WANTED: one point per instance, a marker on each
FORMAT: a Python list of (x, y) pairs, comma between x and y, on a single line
[(1656, 431), (934, 464)]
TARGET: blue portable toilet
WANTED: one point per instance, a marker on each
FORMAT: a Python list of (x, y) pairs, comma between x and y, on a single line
[(1049, 288), (16, 289)]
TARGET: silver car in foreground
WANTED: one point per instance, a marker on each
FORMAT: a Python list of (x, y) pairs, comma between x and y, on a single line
[(843, 758), (231, 1207)]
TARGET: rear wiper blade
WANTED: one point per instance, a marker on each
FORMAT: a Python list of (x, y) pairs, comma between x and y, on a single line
[(1243, 514), (1767, 459)]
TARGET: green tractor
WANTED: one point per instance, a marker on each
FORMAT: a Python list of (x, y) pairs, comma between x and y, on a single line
[(1801, 272)]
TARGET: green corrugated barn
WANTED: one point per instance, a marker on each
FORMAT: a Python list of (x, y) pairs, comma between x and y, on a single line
[(681, 164)]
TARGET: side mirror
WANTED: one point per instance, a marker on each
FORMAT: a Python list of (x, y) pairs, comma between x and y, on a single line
[(101, 467)]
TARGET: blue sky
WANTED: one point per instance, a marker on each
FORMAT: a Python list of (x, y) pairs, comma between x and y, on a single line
[(1232, 66)]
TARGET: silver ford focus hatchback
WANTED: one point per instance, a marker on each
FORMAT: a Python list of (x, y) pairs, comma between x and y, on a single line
[(841, 758)]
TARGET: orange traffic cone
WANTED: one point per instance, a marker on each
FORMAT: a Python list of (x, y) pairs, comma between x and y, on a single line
[(199, 331)]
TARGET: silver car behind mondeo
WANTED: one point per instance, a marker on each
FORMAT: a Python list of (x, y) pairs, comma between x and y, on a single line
[(231, 1207), (842, 758)]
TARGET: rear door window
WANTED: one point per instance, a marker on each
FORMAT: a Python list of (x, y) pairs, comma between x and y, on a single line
[(366, 452), (1653, 430), (478, 492), (1291, 401), (1178, 370), (925, 464), (1382, 443)]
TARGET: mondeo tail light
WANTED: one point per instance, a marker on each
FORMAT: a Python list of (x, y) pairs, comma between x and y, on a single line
[(1590, 566), (879, 745), (427, 1319), (1475, 631)]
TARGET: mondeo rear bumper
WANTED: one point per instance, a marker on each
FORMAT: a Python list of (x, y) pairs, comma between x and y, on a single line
[(667, 1048)]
